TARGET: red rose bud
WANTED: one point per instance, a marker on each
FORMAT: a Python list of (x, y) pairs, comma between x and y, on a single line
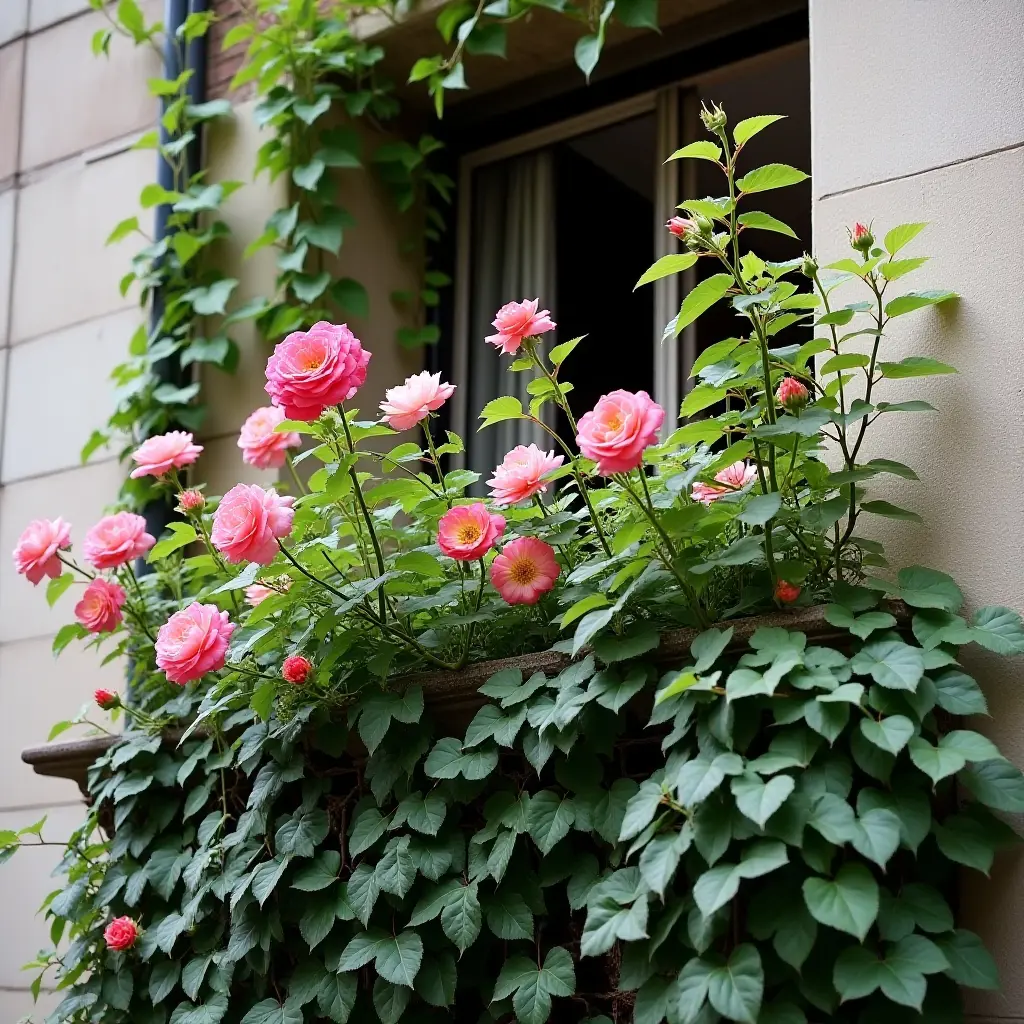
[(785, 592), (107, 700), (680, 226), (296, 669), (121, 934), (861, 238), (191, 501), (792, 395)]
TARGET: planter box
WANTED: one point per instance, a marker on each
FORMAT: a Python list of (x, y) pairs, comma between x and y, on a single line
[(454, 694)]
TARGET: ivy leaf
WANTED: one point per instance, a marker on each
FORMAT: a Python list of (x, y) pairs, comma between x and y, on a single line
[(608, 922), (336, 997), (936, 762), (163, 979), (362, 891), (320, 873), (270, 1011), (999, 629), (848, 904), (508, 915), (316, 923), (660, 858), (640, 810), (736, 989), (890, 734), (448, 760), (301, 834), (970, 963), (997, 784), (549, 818), (396, 871), (759, 800), (437, 978), (461, 916), (891, 663), (878, 835)]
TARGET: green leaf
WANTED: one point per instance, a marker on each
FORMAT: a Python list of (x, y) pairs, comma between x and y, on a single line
[(123, 230), (500, 409), (759, 800), (307, 176), (701, 299), (916, 300), (893, 270), (914, 366), (661, 856), (561, 352), (765, 222), (736, 989), (448, 760), (896, 238), (320, 873), (702, 150), (760, 508), (997, 784), (336, 996), (928, 588), (270, 1011), (936, 762), (508, 915), (999, 629), (674, 263), (351, 296), (770, 176), (890, 511), (586, 53), (398, 959), (301, 834), (891, 663), (549, 818), (162, 980), (890, 734), (56, 587), (848, 904), (461, 916), (436, 979), (317, 921), (212, 299), (746, 129), (878, 835), (182, 534), (971, 745), (970, 964)]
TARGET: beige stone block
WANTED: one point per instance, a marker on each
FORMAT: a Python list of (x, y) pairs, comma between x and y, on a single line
[(25, 882), (900, 86), (100, 98), (63, 272), (13, 19), (80, 496), (49, 414), (220, 467), (45, 12), (17, 1005), (57, 690), (12, 58), (8, 201)]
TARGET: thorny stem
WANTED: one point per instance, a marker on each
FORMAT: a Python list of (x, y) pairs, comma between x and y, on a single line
[(436, 461)]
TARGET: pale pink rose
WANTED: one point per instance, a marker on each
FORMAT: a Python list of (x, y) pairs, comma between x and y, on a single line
[(680, 226), (161, 454), (35, 555), (257, 593), (99, 610), (193, 642), (261, 445), (467, 532), (521, 474), (249, 521), (117, 539), (618, 429), (422, 393), (518, 320), (313, 369), (191, 501), (525, 569), (732, 478)]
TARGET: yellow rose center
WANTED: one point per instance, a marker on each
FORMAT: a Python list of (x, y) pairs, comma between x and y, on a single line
[(312, 361), (523, 571), (614, 423), (469, 533)]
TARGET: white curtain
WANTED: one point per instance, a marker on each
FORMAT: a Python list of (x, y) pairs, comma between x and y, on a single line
[(513, 258)]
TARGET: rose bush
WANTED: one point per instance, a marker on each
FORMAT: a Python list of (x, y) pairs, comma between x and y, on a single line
[(759, 824)]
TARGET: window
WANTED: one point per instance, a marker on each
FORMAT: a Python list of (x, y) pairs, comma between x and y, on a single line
[(573, 213)]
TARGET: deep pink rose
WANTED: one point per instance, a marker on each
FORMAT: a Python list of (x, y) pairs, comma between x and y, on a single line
[(121, 934), (161, 454), (249, 521), (313, 369), (35, 555), (117, 539), (193, 642), (785, 592), (99, 610), (518, 320), (420, 395), (680, 226), (525, 570), (296, 669), (733, 478), (521, 474), (106, 700), (618, 429), (792, 395), (467, 532), (263, 446)]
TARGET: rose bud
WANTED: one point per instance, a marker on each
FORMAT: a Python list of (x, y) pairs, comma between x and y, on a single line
[(680, 226), (191, 501), (792, 395), (296, 669), (861, 238), (785, 592), (107, 700)]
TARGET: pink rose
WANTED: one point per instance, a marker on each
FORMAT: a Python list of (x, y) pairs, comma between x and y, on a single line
[(261, 445), (117, 539), (467, 532), (106, 700), (121, 934), (99, 610), (421, 394), (618, 429), (313, 369), (521, 474), (257, 593), (518, 320), (191, 501), (249, 521), (792, 395), (35, 555), (296, 669), (680, 226), (161, 454), (861, 237), (525, 569), (732, 478), (785, 592), (193, 642)]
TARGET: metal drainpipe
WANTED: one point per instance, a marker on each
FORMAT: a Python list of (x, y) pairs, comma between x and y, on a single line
[(159, 513)]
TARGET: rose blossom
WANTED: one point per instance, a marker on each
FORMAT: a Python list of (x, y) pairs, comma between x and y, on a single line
[(99, 610), (262, 446), (733, 478), (422, 393), (193, 642), (618, 429), (191, 501), (106, 700), (313, 369), (786, 592), (259, 592), (521, 474), (296, 669), (117, 539), (680, 226), (525, 569), (35, 555), (518, 320), (467, 532), (248, 522), (161, 454), (792, 395), (121, 934)]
